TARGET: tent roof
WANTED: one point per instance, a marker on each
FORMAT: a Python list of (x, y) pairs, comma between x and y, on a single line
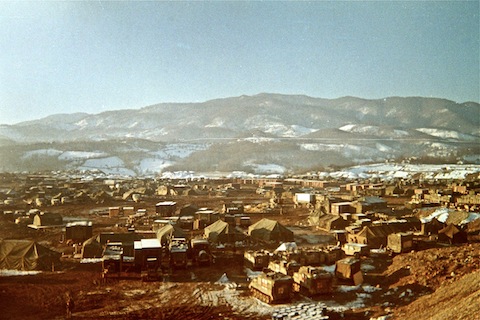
[(218, 226), (264, 224), (170, 230), (25, 255), (267, 229)]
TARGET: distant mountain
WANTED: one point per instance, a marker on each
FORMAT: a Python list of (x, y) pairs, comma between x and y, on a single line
[(264, 132)]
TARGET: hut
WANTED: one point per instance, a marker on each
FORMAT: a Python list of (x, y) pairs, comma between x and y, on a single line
[(166, 208), (79, 231)]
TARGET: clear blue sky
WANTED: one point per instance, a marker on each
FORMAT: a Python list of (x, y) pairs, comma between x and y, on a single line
[(93, 56)]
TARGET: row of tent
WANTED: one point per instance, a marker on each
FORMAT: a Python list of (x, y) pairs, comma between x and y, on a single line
[(218, 232), (29, 255)]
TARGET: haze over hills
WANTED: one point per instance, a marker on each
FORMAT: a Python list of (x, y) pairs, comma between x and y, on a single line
[(260, 133)]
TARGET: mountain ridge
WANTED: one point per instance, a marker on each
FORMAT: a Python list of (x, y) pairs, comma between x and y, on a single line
[(294, 132)]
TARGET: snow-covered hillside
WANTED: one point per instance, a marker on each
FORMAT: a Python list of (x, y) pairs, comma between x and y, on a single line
[(290, 133)]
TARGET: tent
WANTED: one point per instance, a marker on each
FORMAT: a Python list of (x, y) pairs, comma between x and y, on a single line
[(169, 231), (26, 255), (270, 230), (221, 232), (47, 219), (92, 248), (452, 234)]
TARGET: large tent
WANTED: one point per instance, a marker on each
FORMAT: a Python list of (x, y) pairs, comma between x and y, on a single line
[(169, 231), (26, 255), (221, 232), (452, 234), (92, 248), (270, 230)]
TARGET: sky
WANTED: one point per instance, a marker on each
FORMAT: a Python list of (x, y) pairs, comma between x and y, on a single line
[(94, 56)]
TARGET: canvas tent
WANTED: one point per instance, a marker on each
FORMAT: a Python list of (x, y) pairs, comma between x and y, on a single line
[(47, 219), (452, 234), (169, 231), (221, 232), (26, 255), (270, 230), (92, 248)]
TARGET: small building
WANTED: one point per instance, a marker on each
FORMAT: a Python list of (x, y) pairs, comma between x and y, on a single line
[(113, 212), (400, 242), (166, 208), (338, 208), (79, 231)]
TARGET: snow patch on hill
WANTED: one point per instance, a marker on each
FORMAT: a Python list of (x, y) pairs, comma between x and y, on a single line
[(152, 165), (76, 155), (447, 134), (42, 152), (179, 150)]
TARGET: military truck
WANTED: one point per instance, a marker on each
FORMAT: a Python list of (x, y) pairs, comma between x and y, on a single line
[(256, 260), (178, 248), (312, 281), (112, 258), (349, 269), (152, 271), (271, 287), (285, 267), (201, 254)]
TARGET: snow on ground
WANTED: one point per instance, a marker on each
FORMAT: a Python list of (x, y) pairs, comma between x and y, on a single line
[(296, 131), (42, 152), (383, 148), (268, 168), (258, 139), (11, 273), (75, 155), (397, 170), (179, 150), (445, 134), (320, 147), (443, 213), (152, 165)]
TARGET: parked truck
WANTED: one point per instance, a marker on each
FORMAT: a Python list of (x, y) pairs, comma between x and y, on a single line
[(271, 287), (178, 248), (201, 254), (152, 270)]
